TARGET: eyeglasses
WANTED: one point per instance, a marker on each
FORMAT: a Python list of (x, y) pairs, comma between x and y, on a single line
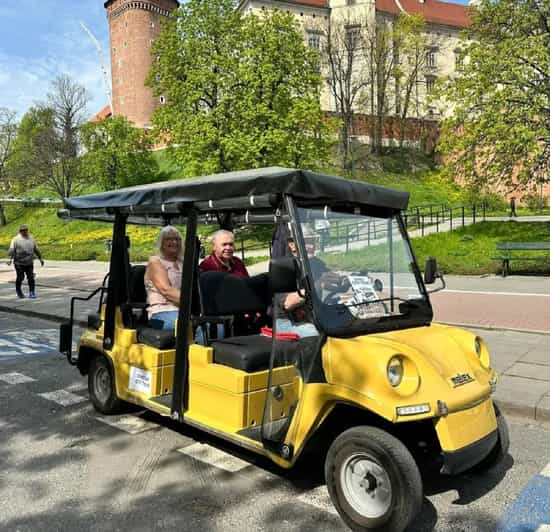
[(176, 238)]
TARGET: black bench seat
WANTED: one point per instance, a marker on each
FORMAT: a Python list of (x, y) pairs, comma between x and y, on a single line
[(247, 353), (252, 353)]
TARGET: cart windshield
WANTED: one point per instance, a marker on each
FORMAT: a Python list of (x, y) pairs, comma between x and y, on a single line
[(362, 269)]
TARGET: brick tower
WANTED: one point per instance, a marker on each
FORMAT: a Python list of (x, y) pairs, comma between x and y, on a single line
[(133, 26)]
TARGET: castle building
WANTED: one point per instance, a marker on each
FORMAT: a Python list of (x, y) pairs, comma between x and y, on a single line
[(133, 26), (443, 23)]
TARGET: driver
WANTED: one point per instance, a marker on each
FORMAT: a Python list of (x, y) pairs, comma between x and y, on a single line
[(292, 314)]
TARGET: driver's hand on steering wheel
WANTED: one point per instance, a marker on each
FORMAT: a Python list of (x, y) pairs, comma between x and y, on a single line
[(332, 281), (293, 300)]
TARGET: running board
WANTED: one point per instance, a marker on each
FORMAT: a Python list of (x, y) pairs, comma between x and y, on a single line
[(164, 401), (272, 428)]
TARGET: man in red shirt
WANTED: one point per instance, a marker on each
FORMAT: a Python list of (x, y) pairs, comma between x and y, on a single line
[(222, 259)]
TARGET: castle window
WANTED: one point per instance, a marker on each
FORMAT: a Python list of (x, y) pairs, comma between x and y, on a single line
[(314, 40), (430, 84), (353, 35), (459, 60), (431, 58)]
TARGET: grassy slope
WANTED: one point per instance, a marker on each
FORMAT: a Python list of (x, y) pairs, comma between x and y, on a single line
[(463, 251), (470, 250)]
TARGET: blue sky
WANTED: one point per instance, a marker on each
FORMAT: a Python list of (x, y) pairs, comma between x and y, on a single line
[(41, 39)]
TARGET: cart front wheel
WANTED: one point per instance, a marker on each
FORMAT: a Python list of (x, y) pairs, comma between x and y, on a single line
[(373, 480), (101, 386)]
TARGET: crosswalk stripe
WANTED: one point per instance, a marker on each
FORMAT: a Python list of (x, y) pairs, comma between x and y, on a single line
[(15, 378), (319, 498), (128, 423), (63, 397), (77, 387), (212, 456), (546, 471)]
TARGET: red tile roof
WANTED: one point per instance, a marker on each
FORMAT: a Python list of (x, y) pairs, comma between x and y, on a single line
[(434, 11), (102, 115), (314, 3)]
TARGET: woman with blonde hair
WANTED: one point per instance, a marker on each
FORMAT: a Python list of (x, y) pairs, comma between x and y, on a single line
[(163, 278)]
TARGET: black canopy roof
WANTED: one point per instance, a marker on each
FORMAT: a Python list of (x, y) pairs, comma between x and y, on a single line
[(209, 192)]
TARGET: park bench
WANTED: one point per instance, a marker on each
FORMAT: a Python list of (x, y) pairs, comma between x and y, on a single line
[(508, 251)]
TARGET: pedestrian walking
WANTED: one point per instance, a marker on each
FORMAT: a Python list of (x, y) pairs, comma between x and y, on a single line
[(513, 207), (22, 250)]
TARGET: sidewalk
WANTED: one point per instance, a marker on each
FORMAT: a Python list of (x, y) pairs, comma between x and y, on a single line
[(512, 314)]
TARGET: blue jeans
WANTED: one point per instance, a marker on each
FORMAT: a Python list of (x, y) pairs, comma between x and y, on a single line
[(199, 335), (303, 330), (168, 318)]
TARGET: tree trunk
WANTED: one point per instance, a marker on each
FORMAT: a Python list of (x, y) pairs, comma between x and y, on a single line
[(3, 220)]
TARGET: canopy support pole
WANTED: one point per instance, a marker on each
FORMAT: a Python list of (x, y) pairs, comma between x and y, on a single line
[(180, 388), (116, 292)]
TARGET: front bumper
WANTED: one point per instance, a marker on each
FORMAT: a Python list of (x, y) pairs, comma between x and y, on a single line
[(455, 462)]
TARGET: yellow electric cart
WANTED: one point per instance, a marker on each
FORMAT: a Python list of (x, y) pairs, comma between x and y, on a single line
[(359, 374)]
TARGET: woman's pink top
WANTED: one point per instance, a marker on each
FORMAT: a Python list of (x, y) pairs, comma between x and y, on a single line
[(157, 302)]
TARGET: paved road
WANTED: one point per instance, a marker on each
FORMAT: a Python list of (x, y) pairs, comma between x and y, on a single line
[(86, 472)]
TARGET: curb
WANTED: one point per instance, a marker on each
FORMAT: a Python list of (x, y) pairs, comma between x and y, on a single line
[(40, 315), (533, 413), (492, 328)]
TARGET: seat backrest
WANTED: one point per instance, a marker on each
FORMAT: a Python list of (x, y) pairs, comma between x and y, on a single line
[(136, 285), (224, 294)]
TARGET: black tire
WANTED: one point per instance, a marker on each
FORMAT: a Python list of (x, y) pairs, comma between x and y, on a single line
[(502, 446), (101, 386), (384, 460)]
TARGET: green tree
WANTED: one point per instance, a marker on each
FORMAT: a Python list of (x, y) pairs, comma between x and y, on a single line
[(47, 149), (34, 154), (240, 91), (499, 132), (117, 154), (8, 134)]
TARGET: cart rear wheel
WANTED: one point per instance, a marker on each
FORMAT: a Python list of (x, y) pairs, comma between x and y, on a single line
[(373, 480), (101, 386)]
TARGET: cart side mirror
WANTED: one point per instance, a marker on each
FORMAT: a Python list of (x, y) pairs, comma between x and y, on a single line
[(430, 270), (431, 274), (283, 273)]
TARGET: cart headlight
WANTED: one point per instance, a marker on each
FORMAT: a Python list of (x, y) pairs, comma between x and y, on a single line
[(482, 352), (395, 370)]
